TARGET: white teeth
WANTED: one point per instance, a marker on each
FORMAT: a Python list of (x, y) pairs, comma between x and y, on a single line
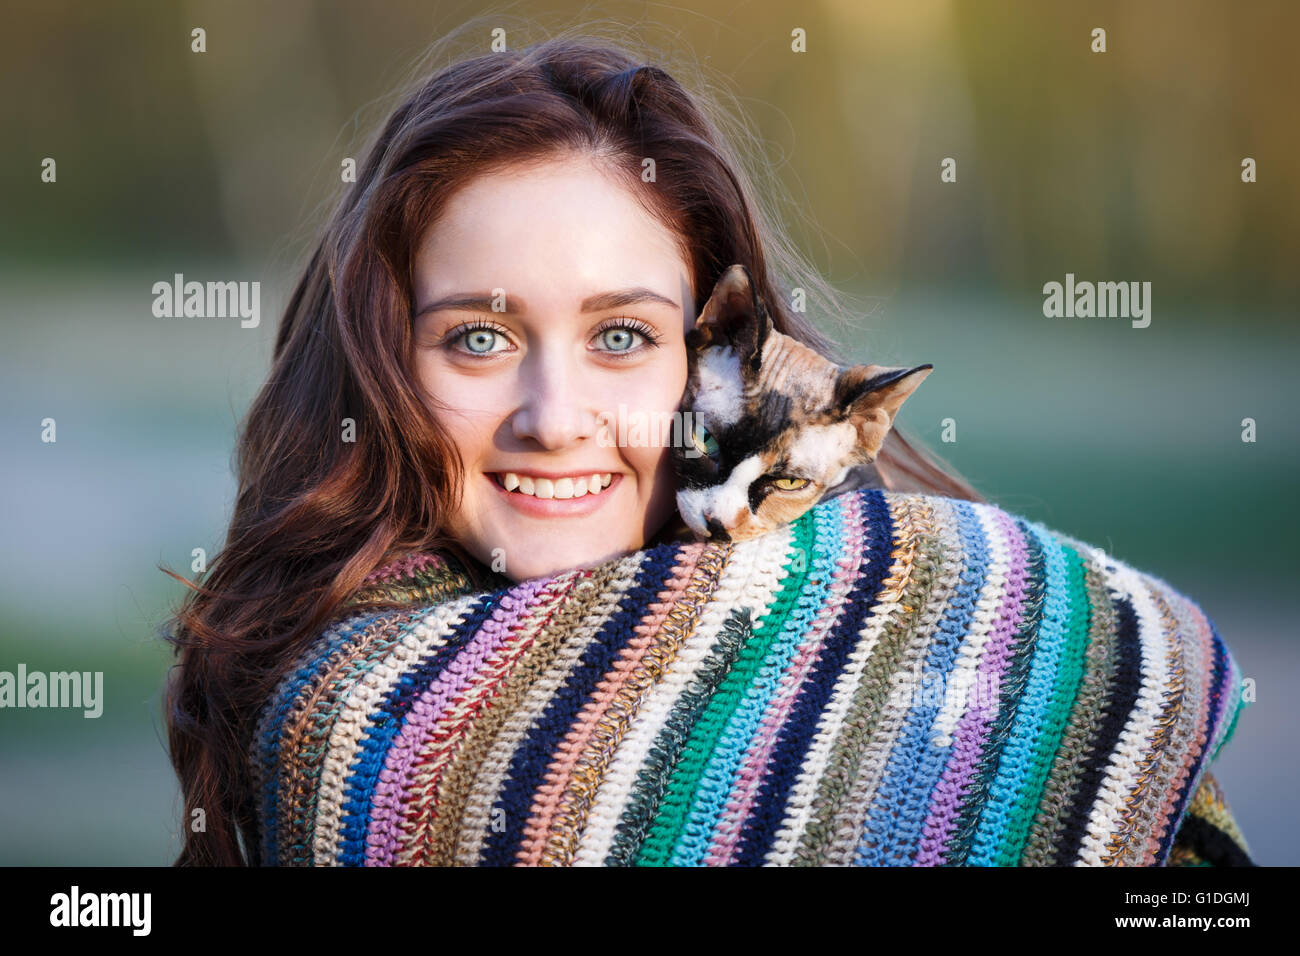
[(591, 484)]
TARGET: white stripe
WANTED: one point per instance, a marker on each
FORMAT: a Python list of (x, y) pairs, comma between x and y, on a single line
[(355, 719), (961, 679), (874, 757), (283, 719), (1121, 772), (1183, 733), (476, 819), (790, 685), (800, 805), (752, 576)]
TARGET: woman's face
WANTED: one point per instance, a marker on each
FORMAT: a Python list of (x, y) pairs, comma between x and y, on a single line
[(592, 302)]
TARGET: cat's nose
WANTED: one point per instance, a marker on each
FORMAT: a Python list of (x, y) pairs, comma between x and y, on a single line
[(716, 530)]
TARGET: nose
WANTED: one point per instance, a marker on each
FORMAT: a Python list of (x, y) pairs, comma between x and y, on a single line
[(715, 529), (553, 412)]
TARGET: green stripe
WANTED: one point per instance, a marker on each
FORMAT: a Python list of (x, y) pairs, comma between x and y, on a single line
[(1232, 686), (823, 842), (652, 778), (1069, 673), (685, 780), (1080, 736), (957, 848)]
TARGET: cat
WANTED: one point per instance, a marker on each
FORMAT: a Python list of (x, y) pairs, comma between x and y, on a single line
[(774, 427)]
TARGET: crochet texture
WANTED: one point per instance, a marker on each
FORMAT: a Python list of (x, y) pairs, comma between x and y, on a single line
[(894, 679)]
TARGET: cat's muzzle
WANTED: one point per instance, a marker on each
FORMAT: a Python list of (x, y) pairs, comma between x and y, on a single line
[(716, 530)]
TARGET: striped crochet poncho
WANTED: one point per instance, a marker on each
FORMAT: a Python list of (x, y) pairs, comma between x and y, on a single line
[(894, 679)]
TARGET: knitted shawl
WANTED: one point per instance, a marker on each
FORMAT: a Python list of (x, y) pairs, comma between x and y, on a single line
[(893, 679)]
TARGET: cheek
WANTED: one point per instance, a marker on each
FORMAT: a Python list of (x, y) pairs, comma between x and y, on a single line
[(657, 384), (653, 466), (653, 394), (783, 509), (467, 410)]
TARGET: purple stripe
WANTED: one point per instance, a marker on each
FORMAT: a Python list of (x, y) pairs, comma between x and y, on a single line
[(384, 837), (973, 727)]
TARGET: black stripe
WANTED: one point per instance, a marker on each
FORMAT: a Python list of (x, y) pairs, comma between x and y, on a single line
[(958, 846), (1125, 687), (1210, 843)]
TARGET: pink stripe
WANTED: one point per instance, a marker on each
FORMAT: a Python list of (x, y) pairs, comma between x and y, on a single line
[(972, 731), (1210, 718), (405, 567), (726, 837), (1201, 635), (1229, 688), (383, 835), (554, 796)]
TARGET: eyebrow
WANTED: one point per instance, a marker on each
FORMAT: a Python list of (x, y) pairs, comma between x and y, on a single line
[(482, 301)]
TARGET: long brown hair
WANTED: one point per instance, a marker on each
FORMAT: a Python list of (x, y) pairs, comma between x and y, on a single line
[(316, 513)]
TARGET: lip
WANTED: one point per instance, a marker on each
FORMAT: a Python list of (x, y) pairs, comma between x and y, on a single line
[(553, 507)]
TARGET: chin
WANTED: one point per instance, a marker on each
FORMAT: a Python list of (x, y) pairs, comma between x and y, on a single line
[(558, 561)]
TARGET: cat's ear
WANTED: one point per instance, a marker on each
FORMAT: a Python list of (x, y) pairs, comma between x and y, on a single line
[(870, 395), (735, 316)]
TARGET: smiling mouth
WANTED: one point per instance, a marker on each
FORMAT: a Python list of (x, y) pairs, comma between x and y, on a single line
[(553, 488)]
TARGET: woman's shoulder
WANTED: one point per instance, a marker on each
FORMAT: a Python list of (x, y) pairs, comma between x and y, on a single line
[(1125, 674), (1002, 556), (982, 535), (892, 678)]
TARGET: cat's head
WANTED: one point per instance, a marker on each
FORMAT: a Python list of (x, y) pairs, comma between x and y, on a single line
[(769, 425)]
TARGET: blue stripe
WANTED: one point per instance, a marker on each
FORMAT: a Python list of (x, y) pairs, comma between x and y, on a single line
[(795, 735), (528, 764), (893, 825), (385, 720), (305, 673), (719, 780), (1014, 764)]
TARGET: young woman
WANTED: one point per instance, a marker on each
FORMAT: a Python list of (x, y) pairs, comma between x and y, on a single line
[(527, 243)]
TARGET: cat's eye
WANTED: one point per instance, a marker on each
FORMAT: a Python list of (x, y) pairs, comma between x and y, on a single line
[(703, 441), (790, 484)]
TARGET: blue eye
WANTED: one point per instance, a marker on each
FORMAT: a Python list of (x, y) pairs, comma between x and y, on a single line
[(479, 338), (624, 336), (619, 338)]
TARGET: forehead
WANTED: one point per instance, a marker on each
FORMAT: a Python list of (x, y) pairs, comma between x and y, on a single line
[(816, 447), (551, 233)]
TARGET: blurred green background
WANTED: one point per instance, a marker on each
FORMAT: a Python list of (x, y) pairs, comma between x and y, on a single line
[(1115, 166)]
